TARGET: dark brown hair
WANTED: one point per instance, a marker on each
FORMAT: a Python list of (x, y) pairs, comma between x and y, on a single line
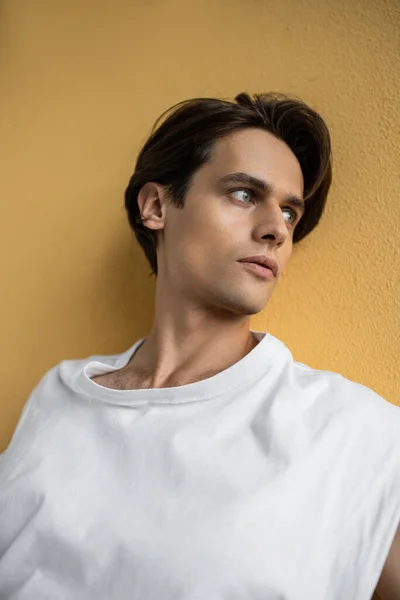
[(178, 147)]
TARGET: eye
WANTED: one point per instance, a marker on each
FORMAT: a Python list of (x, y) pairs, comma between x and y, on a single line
[(244, 195), (293, 213)]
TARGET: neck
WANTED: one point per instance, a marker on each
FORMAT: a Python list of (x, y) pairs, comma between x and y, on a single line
[(187, 346)]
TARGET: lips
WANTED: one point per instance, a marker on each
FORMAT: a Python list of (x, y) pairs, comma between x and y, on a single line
[(265, 261), (259, 270)]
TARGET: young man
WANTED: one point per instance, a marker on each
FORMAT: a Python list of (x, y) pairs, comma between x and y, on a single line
[(204, 463)]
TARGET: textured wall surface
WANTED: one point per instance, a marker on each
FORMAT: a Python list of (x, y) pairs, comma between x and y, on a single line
[(81, 85)]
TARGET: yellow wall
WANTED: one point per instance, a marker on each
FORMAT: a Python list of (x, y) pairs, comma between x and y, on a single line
[(81, 84)]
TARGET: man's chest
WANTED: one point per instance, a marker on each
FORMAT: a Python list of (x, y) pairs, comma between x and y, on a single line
[(119, 380), (181, 515)]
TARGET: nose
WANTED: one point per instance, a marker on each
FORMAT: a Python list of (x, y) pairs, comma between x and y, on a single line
[(271, 224)]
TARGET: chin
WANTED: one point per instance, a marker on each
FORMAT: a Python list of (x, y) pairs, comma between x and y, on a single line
[(238, 296), (243, 306)]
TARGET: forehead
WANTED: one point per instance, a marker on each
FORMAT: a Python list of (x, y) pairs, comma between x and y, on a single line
[(259, 153)]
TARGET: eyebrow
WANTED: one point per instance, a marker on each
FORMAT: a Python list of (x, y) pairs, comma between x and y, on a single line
[(263, 187)]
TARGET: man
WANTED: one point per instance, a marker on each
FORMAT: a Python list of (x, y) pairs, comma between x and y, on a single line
[(204, 463)]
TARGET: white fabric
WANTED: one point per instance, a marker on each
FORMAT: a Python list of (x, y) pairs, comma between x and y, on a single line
[(267, 481)]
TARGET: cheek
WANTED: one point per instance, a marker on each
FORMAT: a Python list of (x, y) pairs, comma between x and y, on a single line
[(200, 245), (187, 238), (206, 227), (284, 255)]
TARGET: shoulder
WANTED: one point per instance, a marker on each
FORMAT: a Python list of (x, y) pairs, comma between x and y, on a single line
[(354, 408), (343, 392), (55, 405)]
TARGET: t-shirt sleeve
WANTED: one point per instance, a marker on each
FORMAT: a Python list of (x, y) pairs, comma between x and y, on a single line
[(377, 517), (33, 420)]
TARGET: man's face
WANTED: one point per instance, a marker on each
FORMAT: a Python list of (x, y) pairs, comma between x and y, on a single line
[(226, 220)]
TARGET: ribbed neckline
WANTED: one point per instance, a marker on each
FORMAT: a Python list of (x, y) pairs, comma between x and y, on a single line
[(248, 369)]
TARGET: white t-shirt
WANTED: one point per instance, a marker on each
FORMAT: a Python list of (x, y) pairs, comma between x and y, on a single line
[(267, 481)]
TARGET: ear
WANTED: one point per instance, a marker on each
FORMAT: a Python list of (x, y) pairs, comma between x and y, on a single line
[(152, 205)]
